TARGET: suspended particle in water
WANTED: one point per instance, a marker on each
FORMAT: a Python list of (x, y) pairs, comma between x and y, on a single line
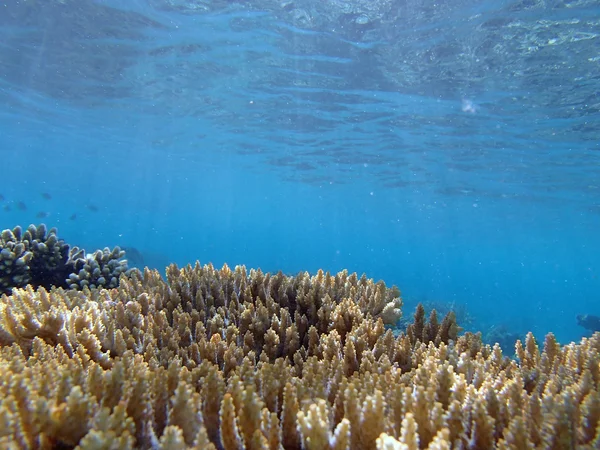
[(468, 106)]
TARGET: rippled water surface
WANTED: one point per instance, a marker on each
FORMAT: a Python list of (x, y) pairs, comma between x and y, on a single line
[(451, 148)]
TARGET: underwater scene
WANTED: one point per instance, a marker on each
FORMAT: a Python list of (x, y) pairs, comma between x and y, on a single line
[(300, 224)]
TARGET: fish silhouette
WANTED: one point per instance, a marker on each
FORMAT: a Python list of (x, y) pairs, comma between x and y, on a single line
[(589, 322), (134, 257)]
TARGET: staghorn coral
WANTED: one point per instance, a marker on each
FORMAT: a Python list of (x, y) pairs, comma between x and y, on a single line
[(460, 310), (234, 359), (420, 313)]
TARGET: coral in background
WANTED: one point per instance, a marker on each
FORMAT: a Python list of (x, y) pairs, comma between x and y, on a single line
[(503, 336), (100, 269), (222, 359), (48, 265), (14, 259), (35, 256), (38, 257), (460, 311)]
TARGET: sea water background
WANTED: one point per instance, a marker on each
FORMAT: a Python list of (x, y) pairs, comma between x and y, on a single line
[(449, 149)]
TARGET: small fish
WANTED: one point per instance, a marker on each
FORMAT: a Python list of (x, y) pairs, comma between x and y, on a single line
[(1, 198), (21, 206), (42, 215), (73, 217), (92, 208), (6, 208), (46, 196), (589, 322)]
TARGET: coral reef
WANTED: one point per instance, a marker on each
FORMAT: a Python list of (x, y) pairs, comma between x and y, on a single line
[(230, 359), (39, 258)]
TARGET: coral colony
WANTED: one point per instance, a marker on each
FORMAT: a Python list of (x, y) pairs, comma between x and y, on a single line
[(96, 356), (37, 257)]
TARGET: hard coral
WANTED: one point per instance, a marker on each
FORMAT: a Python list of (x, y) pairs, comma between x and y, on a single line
[(35, 256), (100, 269), (39, 258), (15, 257), (230, 359), (49, 263)]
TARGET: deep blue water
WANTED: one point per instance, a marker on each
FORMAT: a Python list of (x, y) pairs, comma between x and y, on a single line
[(451, 149)]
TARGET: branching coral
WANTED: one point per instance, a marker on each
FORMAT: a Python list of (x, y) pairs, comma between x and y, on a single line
[(38, 257), (14, 260), (99, 269), (49, 262), (230, 359)]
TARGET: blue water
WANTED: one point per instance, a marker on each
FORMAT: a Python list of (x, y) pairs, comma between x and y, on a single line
[(452, 150)]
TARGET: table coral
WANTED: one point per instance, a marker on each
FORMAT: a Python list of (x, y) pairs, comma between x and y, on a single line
[(236, 359)]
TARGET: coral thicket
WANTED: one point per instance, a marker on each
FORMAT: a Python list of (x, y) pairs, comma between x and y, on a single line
[(235, 359)]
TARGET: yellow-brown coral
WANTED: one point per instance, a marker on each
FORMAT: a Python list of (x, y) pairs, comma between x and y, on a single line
[(234, 360)]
